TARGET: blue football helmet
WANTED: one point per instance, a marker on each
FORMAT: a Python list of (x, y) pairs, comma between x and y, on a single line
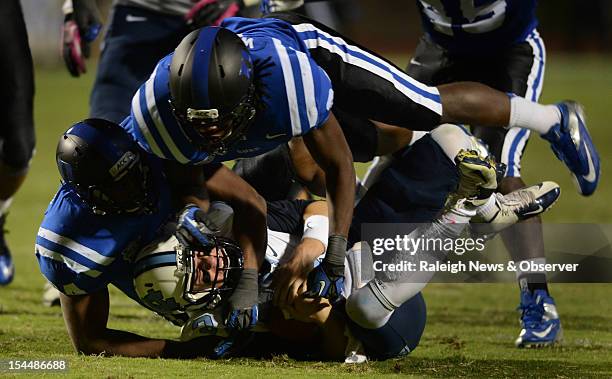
[(106, 168)]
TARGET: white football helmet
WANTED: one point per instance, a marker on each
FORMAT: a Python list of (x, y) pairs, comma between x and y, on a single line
[(165, 275)]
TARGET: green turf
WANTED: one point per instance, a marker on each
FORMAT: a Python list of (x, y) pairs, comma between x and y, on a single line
[(470, 329)]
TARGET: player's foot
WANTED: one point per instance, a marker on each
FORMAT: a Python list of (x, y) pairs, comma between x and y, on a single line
[(7, 269), (517, 205), (539, 320), (572, 144), (51, 296), (477, 178)]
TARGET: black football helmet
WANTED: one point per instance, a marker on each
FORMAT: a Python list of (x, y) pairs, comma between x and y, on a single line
[(106, 168), (212, 90)]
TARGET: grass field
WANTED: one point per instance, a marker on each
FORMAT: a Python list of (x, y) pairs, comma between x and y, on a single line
[(470, 328)]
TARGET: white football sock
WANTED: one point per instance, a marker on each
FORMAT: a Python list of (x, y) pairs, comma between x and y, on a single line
[(533, 116), (451, 139)]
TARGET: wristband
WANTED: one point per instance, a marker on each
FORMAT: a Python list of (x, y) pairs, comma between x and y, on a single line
[(336, 251), (317, 227)]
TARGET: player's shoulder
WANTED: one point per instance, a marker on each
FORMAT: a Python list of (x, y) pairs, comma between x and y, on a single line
[(152, 123)]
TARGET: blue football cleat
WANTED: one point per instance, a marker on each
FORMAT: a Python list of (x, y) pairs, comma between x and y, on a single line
[(572, 144), (539, 320), (7, 269)]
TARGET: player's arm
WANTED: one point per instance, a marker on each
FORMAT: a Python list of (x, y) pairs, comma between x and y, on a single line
[(249, 229), (86, 318), (187, 184), (249, 211), (330, 150), (291, 275)]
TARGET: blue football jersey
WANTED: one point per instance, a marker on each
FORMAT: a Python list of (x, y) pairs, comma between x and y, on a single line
[(297, 97), (477, 25), (80, 252)]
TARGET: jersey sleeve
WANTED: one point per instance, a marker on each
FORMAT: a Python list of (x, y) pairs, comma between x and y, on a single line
[(73, 259), (152, 123)]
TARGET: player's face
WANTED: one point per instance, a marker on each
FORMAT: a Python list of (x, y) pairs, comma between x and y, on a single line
[(208, 270)]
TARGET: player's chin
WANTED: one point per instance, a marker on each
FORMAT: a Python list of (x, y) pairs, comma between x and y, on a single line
[(292, 330)]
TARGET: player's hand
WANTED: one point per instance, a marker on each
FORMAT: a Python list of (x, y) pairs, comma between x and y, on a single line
[(82, 24), (212, 12), (292, 275), (194, 227), (242, 311), (233, 344), (199, 325), (325, 281), (308, 309)]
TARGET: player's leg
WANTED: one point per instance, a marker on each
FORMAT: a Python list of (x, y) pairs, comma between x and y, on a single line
[(17, 130), (399, 336), (519, 69), (525, 65), (369, 86), (136, 40)]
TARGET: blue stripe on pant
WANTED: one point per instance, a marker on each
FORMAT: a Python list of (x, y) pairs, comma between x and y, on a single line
[(399, 336)]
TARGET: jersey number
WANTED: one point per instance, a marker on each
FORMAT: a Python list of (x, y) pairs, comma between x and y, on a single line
[(472, 16)]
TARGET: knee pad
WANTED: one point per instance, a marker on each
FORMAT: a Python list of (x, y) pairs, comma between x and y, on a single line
[(368, 307)]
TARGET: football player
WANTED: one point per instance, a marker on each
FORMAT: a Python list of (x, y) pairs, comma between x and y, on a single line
[(385, 315), (113, 200), (252, 84), (497, 43), (17, 130), (140, 33)]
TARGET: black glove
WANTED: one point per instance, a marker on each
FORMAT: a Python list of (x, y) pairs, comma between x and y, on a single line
[(212, 12), (242, 311), (82, 24), (327, 279)]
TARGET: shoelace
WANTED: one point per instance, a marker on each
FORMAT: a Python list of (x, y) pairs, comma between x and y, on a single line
[(532, 313), (515, 201)]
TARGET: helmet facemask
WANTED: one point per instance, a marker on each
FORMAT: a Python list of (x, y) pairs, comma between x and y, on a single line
[(131, 192), (200, 288), (213, 133)]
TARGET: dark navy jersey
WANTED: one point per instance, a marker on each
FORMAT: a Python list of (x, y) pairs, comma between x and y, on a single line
[(297, 97), (80, 252), (477, 25)]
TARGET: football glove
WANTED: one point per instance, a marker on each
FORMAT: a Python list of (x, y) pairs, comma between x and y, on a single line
[(193, 226), (327, 279), (199, 325), (233, 344), (242, 310), (82, 24), (212, 12)]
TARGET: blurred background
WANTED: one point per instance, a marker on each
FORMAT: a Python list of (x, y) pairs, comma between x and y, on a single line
[(389, 27)]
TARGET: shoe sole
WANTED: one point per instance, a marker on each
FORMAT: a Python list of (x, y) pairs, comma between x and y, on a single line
[(540, 345)]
